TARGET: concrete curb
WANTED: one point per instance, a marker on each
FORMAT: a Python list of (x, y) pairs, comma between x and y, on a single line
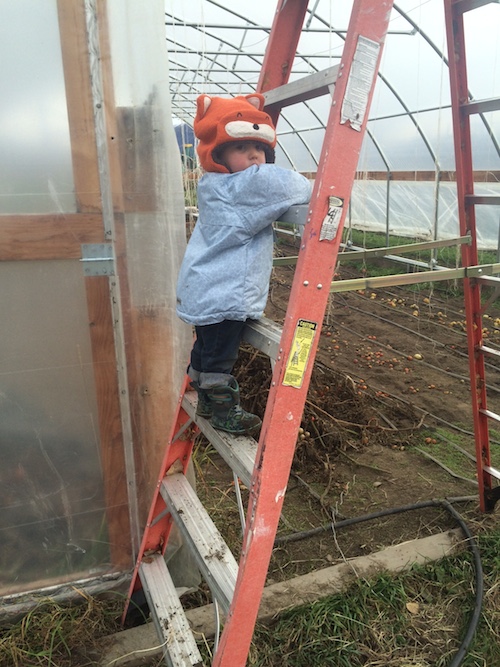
[(131, 647)]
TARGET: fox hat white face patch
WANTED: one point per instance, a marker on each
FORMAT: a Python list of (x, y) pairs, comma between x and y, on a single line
[(241, 129)]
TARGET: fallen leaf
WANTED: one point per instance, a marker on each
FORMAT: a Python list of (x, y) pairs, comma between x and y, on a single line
[(413, 607)]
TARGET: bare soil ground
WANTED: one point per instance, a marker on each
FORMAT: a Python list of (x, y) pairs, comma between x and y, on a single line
[(389, 404)]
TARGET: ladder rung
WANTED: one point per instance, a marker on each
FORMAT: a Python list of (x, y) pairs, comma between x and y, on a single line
[(302, 89), (264, 335), (213, 557), (238, 451), (492, 471), (180, 649), (493, 281), (481, 106), (489, 351), (490, 414), (467, 5), (296, 215), (493, 200)]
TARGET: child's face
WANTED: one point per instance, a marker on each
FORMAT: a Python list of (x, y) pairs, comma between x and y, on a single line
[(238, 156)]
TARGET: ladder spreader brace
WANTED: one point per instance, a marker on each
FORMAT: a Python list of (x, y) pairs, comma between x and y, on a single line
[(265, 467)]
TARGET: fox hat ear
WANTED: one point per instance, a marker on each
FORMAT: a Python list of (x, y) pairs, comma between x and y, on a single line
[(256, 100), (202, 104), (220, 121)]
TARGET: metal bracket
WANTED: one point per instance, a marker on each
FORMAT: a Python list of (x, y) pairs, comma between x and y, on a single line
[(98, 259)]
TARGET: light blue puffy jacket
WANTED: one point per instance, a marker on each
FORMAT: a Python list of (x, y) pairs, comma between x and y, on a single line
[(226, 269)]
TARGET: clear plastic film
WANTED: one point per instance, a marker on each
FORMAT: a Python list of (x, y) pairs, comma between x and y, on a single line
[(155, 236), (64, 513)]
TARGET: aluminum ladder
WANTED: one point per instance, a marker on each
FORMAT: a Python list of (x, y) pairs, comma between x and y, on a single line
[(264, 467), (462, 109)]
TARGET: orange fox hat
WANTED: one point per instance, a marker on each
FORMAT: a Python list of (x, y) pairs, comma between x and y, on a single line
[(220, 121)]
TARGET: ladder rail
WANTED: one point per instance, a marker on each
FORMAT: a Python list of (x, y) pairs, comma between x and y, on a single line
[(280, 51), (461, 113), (156, 531)]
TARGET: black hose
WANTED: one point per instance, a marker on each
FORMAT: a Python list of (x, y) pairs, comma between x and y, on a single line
[(471, 543), (478, 568)]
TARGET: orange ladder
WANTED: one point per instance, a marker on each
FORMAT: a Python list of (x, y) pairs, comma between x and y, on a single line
[(264, 467), (462, 109)]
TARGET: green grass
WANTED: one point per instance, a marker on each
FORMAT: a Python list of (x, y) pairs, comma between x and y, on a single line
[(371, 625), (445, 446)]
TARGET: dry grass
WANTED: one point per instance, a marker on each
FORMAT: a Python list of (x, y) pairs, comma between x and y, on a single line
[(54, 635)]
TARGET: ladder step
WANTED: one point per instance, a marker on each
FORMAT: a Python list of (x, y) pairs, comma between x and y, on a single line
[(238, 451), (467, 5), (264, 335), (212, 555), (492, 281), (301, 90), (492, 200), (492, 471), (172, 626), (296, 215), (481, 106), (489, 351), (490, 414)]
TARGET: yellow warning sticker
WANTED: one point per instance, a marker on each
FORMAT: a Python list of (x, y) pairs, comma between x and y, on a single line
[(299, 354)]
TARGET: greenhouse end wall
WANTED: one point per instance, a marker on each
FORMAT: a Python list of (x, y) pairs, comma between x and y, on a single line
[(92, 362)]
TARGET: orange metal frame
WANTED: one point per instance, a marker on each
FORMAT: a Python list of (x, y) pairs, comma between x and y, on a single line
[(308, 301), (467, 221), (159, 523)]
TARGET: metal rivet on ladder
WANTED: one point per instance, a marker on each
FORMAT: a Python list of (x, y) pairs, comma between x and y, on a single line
[(305, 283), (319, 286)]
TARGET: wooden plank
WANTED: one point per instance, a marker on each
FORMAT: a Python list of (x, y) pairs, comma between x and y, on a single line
[(29, 237), (73, 35), (136, 138), (113, 137), (110, 429)]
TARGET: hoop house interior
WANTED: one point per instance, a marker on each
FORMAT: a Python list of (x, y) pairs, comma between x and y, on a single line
[(408, 154)]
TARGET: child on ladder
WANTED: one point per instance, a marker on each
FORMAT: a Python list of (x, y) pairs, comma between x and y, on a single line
[(224, 277)]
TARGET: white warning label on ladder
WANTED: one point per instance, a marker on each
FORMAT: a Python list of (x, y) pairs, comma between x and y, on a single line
[(331, 221), (360, 81), (299, 353)]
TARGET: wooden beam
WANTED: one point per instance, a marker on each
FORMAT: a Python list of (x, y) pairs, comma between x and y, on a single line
[(29, 237), (110, 430), (74, 47)]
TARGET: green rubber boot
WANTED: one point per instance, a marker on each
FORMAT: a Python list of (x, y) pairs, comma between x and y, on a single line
[(204, 407), (228, 415)]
